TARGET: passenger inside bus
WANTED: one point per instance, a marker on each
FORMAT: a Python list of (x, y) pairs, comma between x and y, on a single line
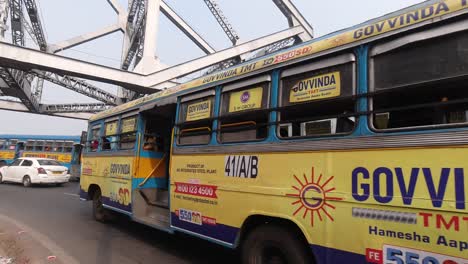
[(106, 145)]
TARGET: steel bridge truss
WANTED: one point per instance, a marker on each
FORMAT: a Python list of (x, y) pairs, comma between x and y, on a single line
[(141, 72)]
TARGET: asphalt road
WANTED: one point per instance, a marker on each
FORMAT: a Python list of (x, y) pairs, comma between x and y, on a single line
[(58, 213)]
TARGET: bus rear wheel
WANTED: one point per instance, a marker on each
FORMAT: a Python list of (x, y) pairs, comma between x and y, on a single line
[(271, 244), (100, 213)]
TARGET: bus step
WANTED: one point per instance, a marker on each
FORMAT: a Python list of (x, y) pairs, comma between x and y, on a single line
[(157, 216), (161, 198)]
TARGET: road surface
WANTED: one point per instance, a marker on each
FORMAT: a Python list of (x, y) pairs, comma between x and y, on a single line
[(57, 213)]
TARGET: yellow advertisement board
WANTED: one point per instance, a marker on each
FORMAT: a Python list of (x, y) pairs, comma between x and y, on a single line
[(246, 99), (65, 158), (316, 88), (129, 124), (198, 111), (111, 128), (7, 155), (114, 177)]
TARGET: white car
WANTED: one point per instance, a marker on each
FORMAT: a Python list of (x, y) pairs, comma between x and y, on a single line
[(34, 171)]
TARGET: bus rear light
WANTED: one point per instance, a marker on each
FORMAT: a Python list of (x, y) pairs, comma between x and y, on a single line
[(41, 171)]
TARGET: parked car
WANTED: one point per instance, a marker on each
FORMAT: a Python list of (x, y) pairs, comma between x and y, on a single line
[(35, 171)]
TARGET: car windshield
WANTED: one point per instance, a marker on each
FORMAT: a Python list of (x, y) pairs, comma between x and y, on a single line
[(49, 163)]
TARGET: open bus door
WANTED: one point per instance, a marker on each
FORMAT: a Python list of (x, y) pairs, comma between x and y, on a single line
[(75, 164)]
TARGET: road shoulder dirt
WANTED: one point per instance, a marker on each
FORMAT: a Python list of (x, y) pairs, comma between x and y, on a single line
[(26, 246)]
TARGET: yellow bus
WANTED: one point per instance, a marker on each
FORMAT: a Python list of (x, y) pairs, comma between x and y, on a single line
[(350, 148)]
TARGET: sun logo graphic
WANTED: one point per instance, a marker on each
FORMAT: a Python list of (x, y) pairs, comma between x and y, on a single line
[(313, 197)]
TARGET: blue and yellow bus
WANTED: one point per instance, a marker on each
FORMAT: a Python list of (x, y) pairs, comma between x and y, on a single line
[(66, 149), (351, 148)]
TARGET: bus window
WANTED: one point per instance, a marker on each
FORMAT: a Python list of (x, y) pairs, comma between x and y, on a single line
[(29, 145), (243, 116), (195, 119), (68, 146), (48, 146), (422, 84), (12, 144), (317, 99), (39, 146), (109, 140), (128, 133), (58, 146), (2, 144), (93, 141)]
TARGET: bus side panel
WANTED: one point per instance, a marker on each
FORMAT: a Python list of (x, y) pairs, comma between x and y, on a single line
[(7, 155), (113, 175), (364, 206)]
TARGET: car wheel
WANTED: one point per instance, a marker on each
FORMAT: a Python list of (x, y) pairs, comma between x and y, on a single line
[(274, 244), (26, 181), (1, 178), (99, 212)]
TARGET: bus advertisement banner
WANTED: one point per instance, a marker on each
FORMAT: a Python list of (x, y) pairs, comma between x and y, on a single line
[(316, 88), (198, 111), (7, 155), (65, 158), (246, 100), (390, 200)]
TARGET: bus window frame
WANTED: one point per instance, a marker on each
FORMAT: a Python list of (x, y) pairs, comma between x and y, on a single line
[(92, 127), (119, 134), (263, 80), (395, 44), (190, 98), (331, 61), (32, 145), (12, 146), (36, 145)]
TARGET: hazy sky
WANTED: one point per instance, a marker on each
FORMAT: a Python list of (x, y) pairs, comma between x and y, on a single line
[(251, 18)]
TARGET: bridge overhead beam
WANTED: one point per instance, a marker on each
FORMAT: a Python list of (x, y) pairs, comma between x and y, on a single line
[(117, 7), (20, 107), (295, 18), (220, 56), (70, 43), (79, 86), (27, 59), (34, 17), (19, 87), (73, 108), (186, 29)]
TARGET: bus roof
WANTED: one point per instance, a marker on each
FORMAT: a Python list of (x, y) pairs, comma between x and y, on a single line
[(39, 137), (390, 24)]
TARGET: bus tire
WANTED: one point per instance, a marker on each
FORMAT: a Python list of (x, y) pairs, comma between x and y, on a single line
[(274, 244), (100, 213), (27, 181)]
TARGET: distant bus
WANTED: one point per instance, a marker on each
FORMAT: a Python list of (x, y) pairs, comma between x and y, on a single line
[(65, 149), (350, 148)]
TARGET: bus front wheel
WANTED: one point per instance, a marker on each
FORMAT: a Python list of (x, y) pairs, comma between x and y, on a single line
[(274, 244), (99, 212)]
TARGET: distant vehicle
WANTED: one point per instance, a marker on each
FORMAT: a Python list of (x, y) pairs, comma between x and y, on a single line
[(30, 171), (65, 149)]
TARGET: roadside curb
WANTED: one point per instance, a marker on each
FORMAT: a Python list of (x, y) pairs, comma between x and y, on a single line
[(27, 246)]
